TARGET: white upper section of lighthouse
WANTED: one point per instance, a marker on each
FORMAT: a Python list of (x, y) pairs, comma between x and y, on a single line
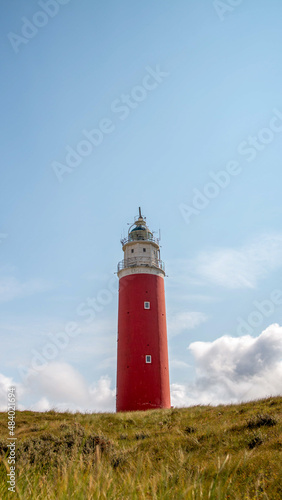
[(141, 251)]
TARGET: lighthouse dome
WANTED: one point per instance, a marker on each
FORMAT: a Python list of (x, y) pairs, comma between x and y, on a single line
[(140, 232), (139, 228)]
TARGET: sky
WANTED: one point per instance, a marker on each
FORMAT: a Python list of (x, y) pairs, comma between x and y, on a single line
[(172, 106)]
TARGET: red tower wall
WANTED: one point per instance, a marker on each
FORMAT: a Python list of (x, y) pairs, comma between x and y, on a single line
[(141, 385)]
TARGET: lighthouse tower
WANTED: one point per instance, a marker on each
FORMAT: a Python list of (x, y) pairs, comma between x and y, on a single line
[(142, 361)]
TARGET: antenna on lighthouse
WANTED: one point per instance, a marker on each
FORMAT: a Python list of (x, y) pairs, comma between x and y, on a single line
[(140, 216)]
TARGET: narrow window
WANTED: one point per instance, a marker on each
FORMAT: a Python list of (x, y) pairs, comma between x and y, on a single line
[(144, 249), (146, 305), (148, 358), (132, 250)]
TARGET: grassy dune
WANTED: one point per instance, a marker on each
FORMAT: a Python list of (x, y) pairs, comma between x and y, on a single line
[(202, 452)]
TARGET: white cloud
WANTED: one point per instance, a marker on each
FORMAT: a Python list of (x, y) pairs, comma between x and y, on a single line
[(103, 395), (42, 405), (181, 322), (65, 388), (241, 267), (95, 341), (5, 384), (60, 386), (59, 382), (234, 369), (11, 288)]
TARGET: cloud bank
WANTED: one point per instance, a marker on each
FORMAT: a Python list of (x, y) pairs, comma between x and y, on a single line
[(228, 370), (58, 385), (231, 370)]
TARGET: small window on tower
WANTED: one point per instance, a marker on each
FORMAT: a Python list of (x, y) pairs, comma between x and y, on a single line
[(148, 358), (144, 249), (132, 250), (146, 305)]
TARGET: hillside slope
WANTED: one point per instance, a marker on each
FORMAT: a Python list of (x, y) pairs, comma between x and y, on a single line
[(202, 452)]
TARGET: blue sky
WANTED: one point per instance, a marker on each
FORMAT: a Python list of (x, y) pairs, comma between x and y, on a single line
[(199, 84)]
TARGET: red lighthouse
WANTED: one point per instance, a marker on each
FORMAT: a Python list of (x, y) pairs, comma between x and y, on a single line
[(142, 361)]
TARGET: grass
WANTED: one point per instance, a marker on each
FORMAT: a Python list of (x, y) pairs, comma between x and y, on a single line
[(202, 452)]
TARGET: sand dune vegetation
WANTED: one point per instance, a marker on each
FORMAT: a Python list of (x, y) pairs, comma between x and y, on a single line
[(200, 452)]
